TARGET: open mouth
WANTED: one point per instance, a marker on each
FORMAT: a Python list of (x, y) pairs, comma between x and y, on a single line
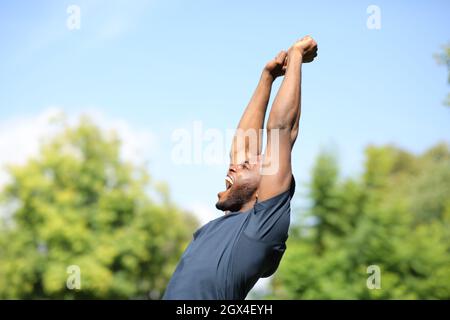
[(229, 181)]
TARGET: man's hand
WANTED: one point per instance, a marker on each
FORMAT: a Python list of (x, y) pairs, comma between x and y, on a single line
[(277, 66), (307, 48)]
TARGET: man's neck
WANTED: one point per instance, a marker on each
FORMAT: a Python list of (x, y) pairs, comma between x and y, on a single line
[(248, 205)]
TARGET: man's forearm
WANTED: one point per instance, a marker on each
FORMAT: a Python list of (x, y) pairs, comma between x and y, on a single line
[(285, 112), (254, 114)]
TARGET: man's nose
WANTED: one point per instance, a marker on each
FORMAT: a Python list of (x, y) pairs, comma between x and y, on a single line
[(233, 168)]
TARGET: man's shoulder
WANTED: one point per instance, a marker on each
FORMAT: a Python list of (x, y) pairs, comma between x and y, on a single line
[(285, 196)]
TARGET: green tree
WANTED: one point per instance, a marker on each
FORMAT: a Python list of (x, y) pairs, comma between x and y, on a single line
[(78, 203), (395, 216)]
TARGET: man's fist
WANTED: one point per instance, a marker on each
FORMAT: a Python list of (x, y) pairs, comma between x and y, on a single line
[(277, 66), (307, 47)]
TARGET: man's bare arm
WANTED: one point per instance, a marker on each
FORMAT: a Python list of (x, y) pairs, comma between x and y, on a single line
[(244, 147), (283, 123)]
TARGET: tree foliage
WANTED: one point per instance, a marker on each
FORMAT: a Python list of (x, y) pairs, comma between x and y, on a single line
[(78, 203), (396, 215)]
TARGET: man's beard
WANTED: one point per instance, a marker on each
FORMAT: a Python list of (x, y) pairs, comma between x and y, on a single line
[(237, 198)]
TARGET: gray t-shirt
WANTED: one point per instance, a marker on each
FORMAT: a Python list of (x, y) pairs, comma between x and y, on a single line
[(228, 255)]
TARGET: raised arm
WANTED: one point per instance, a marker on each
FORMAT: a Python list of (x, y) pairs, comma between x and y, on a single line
[(283, 123), (247, 141)]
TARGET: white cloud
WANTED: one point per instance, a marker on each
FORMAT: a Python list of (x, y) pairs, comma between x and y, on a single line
[(21, 136), (138, 144)]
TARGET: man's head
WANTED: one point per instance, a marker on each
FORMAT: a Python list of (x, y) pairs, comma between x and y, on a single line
[(242, 183)]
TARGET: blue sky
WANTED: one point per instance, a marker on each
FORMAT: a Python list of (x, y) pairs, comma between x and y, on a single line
[(157, 66)]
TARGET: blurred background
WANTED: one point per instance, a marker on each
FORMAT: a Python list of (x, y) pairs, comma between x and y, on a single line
[(92, 92)]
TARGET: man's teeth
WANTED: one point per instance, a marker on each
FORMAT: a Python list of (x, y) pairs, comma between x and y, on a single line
[(227, 178)]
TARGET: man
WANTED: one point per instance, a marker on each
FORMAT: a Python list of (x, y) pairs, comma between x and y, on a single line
[(228, 255)]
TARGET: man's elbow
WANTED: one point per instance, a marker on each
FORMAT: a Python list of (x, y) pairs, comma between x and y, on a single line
[(283, 128), (281, 121), (281, 125)]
